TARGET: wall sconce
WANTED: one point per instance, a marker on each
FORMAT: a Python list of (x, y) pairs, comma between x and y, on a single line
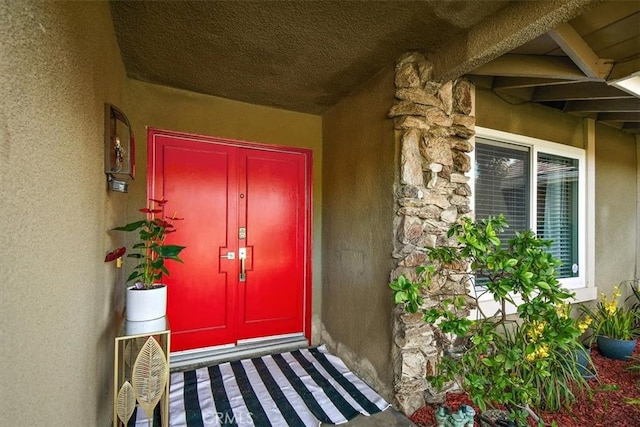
[(119, 149)]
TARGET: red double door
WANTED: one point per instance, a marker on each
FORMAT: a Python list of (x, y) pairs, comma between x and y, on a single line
[(246, 228)]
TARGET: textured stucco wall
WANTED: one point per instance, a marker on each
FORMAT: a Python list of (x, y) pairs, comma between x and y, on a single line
[(527, 119), (616, 216), (178, 110), (616, 172), (358, 171), (59, 63)]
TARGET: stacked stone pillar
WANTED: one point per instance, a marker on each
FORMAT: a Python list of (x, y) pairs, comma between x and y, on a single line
[(435, 123)]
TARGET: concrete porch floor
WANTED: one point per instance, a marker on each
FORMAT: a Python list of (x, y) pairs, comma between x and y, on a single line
[(387, 418)]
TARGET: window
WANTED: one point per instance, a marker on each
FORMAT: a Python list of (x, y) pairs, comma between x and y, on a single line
[(557, 212), (502, 184), (537, 185)]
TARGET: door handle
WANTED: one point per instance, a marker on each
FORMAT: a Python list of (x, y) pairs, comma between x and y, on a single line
[(229, 255), (242, 255)]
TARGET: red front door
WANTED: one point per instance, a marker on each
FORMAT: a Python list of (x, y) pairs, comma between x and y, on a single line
[(246, 271)]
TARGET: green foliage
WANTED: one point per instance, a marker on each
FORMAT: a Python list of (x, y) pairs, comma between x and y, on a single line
[(406, 292), (612, 320), (151, 250), (525, 363), (634, 365)]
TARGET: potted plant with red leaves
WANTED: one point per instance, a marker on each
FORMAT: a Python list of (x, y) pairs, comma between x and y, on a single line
[(152, 253)]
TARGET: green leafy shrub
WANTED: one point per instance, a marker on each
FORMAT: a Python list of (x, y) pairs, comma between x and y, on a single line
[(525, 362)]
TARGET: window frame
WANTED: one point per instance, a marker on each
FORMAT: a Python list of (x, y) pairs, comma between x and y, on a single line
[(582, 285)]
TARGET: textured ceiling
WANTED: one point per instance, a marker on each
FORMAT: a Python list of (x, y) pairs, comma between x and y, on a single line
[(297, 55), (307, 55)]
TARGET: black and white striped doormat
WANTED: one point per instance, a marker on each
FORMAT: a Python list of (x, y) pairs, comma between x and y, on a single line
[(301, 388)]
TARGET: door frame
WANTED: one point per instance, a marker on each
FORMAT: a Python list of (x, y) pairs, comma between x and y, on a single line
[(308, 162)]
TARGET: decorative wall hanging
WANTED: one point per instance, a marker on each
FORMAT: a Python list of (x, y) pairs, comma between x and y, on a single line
[(119, 149)]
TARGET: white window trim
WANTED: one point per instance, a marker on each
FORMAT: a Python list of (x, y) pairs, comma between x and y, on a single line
[(583, 286)]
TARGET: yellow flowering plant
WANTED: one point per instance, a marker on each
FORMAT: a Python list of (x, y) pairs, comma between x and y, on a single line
[(524, 364), (555, 359), (610, 319)]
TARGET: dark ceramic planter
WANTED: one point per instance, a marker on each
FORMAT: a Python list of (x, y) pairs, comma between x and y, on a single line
[(585, 365), (615, 349)]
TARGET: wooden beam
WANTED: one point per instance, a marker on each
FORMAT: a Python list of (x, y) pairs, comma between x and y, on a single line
[(516, 96), (619, 117), (633, 127), (603, 15), (532, 66), (580, 52), (520, 82), (624, 69), (578, 91), (481, 81), (606, 105), (582, 114), (512, 26)]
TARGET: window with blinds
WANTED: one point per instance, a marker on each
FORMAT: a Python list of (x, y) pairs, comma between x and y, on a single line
[(557, 209), (503, 185)]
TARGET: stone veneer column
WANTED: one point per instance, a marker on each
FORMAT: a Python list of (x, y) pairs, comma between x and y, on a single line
[(435, 123)]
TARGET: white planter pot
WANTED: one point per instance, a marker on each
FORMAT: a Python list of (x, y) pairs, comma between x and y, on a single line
[(146, 304), (147, 327)]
